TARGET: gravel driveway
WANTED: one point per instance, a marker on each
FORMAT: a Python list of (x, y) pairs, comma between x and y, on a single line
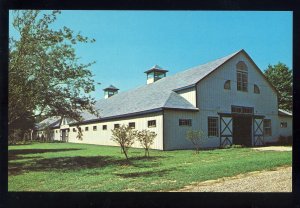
[(279, 180)]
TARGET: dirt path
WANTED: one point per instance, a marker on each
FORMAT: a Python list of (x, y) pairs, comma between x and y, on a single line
[(273, 148), (279, 180)]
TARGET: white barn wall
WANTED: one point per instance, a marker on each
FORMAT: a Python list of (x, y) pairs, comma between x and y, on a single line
[(56, 135), (189, 94), (175, 135), (285, 131), (103, 137), (213, 98)]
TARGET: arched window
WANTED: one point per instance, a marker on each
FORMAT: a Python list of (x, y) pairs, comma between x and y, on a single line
[(227, 85), (256, 89), (242, 76)]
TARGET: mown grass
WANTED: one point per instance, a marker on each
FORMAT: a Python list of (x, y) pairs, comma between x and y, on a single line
[(83, 167)]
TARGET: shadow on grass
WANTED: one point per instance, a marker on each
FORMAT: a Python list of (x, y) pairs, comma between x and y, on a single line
[(75, 163), (159, 173), (17, 154), (37, 151)]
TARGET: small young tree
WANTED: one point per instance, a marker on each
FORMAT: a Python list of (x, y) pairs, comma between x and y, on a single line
[(124, 136), (79, 134), (146, 139), (196, 137)]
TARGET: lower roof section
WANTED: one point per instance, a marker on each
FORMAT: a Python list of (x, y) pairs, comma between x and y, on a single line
[(131, 115)]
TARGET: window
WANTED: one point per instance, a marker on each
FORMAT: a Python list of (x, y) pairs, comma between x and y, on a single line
[(267, 127), (256, 89), (242, 76), (227, 85), (94, 128), (86, 128), (151, 123), (241, 109), (150, 75), (56, 131), (74, 129), (116, 126), (213, 126), (159, 75), (283, 124), (132, 125), (104, 127), (185, 122), (68, 130)]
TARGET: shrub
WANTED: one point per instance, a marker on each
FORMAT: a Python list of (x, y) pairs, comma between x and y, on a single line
[(196, 137), (124, 136), (290, 140), (282, 140), (236, 146), (146, 139)]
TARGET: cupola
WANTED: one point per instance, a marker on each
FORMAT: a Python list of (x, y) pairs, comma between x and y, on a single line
[(155, 73), (110, 91)]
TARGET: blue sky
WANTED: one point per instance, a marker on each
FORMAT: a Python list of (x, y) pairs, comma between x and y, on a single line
[(130, 42)]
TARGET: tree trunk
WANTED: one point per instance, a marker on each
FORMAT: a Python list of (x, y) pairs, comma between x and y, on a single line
[(125, 153)]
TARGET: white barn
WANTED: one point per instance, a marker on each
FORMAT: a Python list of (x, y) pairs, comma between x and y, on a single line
[(229, 99)]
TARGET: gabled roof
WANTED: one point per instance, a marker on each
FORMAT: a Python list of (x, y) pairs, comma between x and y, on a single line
[(284, 113), (51, 122), (157, 95), (160, 94)]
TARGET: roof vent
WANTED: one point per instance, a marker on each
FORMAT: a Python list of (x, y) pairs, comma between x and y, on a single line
[(155, 73), (110, 91)]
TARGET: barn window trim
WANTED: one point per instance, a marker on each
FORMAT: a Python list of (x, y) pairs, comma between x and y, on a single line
[(151, 123), (267, 127), (131, 125), (256, 89), (242, 109), (227, 85), (185, 122), (242, 76), (212, 126), (283, 124)]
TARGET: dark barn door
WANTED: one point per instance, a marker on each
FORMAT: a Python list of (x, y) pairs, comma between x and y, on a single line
[(64, 134), (242, 130)]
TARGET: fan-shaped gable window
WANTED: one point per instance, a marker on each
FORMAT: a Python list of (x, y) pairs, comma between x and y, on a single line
[(256, 89), (242, 76), (241, 66), (227, 85)]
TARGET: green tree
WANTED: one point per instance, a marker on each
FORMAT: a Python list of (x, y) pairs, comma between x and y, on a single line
[(282, 79), (196, 137), (124, 136), (45, 76), (146, 139)]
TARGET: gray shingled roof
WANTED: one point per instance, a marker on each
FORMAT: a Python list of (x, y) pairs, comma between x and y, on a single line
[(49, 122), (157, 95), (284, 113)]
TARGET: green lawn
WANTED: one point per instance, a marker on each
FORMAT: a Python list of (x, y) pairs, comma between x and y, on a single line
[(83, 167)]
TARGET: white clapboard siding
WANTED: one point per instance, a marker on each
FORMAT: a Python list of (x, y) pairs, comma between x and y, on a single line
[(103, 137)]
